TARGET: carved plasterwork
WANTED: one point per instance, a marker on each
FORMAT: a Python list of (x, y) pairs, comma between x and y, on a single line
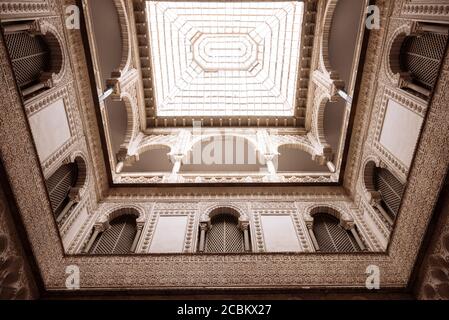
[(33, 8), (183, 141), (399, 29), (281, 208), (368, 95), (170, 209), (148, 272), (433, 278), (425, 10), (86, 111)]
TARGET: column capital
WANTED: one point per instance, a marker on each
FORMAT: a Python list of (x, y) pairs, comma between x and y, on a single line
[(100, 226), (269, 156), (204, 225), (309, 224), (176, 157), (347, 224), (74, 194), (244, 224)]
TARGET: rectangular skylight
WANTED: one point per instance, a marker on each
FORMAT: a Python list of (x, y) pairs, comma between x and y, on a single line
[(225, 58)]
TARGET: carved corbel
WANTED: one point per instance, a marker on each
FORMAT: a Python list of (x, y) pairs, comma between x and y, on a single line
[(125, 159), (120, 82), (182, 145), (326, 84), (74, 195), (265, 144), (346, 223)]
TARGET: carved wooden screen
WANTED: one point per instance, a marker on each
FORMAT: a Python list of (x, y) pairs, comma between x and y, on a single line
[(59, 184), (118, 239), (224, 235), (422, 56), (331, 237), (30, 57), (391, 190)]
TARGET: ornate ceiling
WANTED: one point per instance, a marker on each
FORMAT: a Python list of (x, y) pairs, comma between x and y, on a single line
[(225, 58)]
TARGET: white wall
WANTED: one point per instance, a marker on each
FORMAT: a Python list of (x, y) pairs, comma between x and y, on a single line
[(169, 234), (50, 129), (400, 131), (280, 234)]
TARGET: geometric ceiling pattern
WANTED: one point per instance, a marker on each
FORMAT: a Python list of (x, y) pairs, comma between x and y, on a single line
[(225, 58)]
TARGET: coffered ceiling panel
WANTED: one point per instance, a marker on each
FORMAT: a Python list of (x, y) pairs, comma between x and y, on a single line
[(225, 58)]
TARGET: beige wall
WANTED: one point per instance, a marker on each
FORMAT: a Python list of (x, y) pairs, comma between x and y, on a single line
[(400, 131), (279, 234), (50, 129), (169, 235)]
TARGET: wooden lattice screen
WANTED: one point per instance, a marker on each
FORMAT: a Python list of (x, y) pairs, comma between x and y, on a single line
[(422, 55), (118, 238), (331, 237), (30, 57), (391, 190), (59, 185), (224, 235)]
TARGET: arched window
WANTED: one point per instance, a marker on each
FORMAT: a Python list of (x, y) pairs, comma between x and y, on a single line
[(35, 57), (330, 235), (59, 186), (224, 235), (30, 57), (390, 190), (385, 191), (118, 238), (420, 59)]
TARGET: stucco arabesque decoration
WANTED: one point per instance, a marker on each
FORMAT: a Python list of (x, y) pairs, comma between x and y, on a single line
[(274, 270)]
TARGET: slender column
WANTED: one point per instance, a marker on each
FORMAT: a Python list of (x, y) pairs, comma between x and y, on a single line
[(204, 226), (357, 238), (312, 236), (407, 83), (378, 206), (74, 198), (331, 166), (65, 210), (272, 172), (271, 167), (119, 167), (33, 89), (106, 94), (17, 27), (345, 96), (137, 237), (176, 167), (244, 226), (434, 28), (91, 240)]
